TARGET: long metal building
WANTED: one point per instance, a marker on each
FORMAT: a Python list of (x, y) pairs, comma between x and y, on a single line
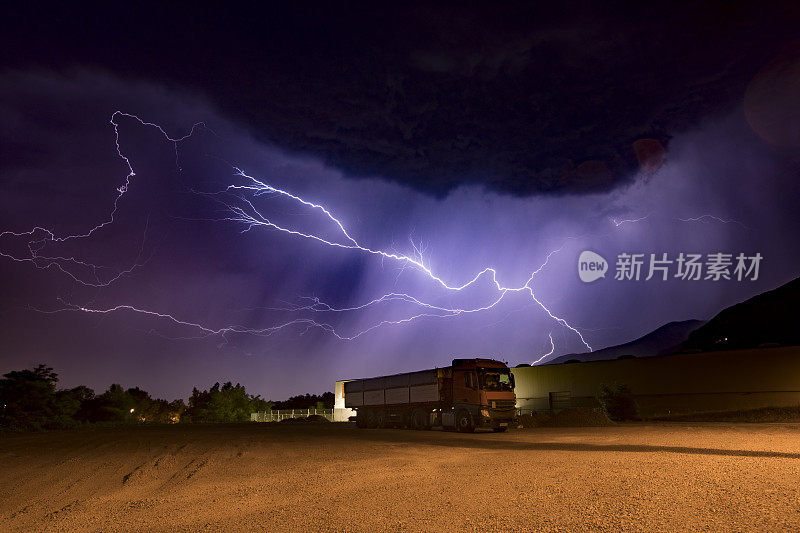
[(670, 384)]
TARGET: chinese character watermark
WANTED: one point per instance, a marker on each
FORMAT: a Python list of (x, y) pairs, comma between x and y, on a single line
[(715, 266)]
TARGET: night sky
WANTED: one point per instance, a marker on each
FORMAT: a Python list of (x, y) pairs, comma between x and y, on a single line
[(477, 137)]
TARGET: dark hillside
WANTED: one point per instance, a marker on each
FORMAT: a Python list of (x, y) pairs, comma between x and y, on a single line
[(766, 319)]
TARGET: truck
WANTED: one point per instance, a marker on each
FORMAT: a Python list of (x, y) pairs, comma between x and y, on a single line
[(469, 394)]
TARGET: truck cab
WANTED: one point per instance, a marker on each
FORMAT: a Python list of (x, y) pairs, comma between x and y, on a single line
[(482, 395)]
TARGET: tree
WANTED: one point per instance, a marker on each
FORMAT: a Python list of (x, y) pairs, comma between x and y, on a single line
[(114, 405), (257, 403), (226, 403), (28, 400), (86, 400), (307, 401), (175, 410)]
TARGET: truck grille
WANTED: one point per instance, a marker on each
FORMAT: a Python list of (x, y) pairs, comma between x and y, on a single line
[(502, 404)]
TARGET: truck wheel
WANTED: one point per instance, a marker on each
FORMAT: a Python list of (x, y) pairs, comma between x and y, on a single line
[(419, 419), (361, 419), (371, 420), (380, 419), (464, 421)]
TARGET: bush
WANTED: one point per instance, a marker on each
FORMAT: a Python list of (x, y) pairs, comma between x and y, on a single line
[(617, 402)]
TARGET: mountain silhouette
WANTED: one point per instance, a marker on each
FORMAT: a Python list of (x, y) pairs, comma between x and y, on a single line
[(666, 339), (767, 319)]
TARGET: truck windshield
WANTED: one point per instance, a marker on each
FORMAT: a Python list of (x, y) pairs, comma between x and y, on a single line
[(496, 380)]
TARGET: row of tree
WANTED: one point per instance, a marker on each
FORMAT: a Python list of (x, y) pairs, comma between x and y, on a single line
[(30, 399), (307, 401)]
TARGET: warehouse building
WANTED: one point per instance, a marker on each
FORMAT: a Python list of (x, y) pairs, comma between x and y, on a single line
[(669, 384)]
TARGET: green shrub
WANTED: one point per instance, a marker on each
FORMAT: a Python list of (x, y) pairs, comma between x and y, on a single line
[(617, 402)]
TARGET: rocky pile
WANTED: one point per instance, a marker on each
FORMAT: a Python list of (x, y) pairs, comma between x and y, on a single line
[(574, 417)]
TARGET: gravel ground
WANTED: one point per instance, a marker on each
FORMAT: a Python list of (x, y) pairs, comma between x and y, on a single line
[(279, 477)]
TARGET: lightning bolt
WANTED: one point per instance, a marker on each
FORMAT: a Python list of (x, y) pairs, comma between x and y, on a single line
[(40, 237), (618, 223), (240, 203), (433, 311), (238, 199), (548, 354), (705, 218)]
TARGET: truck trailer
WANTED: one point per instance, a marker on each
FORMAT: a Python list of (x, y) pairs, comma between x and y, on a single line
[(470, 394)]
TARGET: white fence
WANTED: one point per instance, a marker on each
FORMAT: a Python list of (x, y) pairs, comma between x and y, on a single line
[(283, 414)]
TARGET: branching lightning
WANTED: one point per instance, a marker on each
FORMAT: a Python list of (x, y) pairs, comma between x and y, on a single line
[(707, 218), (239, 201), (40, 237), (548, 354), (618, 223)]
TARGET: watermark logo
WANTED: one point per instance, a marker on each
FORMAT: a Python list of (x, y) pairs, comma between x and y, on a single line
[(591, 266), (716, 266), (688, 267)]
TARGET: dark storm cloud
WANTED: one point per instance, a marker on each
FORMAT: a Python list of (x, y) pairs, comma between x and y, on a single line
[(523, 101)]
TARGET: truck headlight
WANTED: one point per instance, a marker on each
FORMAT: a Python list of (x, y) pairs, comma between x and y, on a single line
[(485, 412)]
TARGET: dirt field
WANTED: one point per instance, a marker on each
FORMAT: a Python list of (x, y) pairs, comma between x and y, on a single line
[(329, 477)]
